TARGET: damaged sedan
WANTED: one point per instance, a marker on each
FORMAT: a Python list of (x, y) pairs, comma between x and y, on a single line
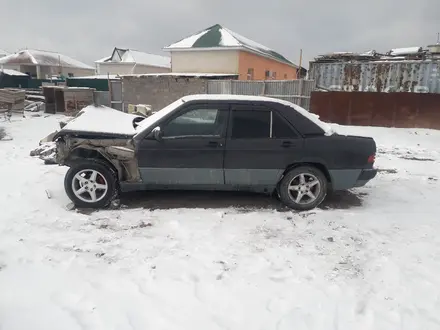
[(211, 142)]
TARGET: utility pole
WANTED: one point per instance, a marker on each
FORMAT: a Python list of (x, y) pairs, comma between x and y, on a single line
[(300, 62)]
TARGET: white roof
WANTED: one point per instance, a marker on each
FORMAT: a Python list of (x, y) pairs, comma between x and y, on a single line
[(3, 52), (13, 72), (226, 97), (405, 51), (228, 39), (131, 56), (45, 58)]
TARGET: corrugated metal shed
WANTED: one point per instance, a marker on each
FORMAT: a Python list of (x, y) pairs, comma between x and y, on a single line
[(419, 76)]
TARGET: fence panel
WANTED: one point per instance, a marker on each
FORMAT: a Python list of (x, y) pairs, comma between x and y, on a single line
[(101, 98), (296, 91), (405, 110), (116, 94)]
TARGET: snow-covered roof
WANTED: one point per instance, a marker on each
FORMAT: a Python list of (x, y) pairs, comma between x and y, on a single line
[(99, 76), (45, 58), (3, 52), (13, 73), (217, 36), (146, 123), (180, 74), (405, 51), (132, 56)]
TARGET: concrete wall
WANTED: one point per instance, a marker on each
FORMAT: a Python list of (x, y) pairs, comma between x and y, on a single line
[(159, 91), (106, 68), (221, 61), (260, 65)]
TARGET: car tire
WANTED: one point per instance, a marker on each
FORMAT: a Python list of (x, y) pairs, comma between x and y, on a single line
[(90, 184), (303, 188)]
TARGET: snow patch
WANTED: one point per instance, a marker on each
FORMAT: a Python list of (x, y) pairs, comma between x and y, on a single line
[(188, 42), (102, 120), (227, 39)]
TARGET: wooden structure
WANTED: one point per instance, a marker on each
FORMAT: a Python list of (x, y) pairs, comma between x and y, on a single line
[(67, 99), (11, 100)]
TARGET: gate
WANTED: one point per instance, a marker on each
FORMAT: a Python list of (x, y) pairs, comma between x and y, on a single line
[(115, 88)]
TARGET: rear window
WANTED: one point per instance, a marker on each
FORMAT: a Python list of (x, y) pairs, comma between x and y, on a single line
[(250, 124), (281, 128)]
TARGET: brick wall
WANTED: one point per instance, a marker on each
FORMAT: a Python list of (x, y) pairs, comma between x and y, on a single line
[(159, 91)]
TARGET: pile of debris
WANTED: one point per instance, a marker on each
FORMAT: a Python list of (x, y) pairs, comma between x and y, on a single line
[(46, 149), (35, 101)]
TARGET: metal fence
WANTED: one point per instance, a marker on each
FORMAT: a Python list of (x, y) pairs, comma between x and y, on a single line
[(296, 91), (378, 76), (407, 110), (101, 98)]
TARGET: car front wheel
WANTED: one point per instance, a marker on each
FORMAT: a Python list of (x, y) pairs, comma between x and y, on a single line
[(90, 184), (303, 188)]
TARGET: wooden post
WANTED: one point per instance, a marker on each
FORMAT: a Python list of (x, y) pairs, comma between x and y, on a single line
[(263, 88), (300, 63), (301, 87), (109, 91)]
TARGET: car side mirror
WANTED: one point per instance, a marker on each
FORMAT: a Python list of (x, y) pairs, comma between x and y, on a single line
[(157, 133)]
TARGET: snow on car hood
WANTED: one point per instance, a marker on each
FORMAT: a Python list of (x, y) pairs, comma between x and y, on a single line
[(102, 120)]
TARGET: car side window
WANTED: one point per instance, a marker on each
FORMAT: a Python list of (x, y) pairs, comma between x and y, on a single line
[(250, 124), (196, 122), (280, 128)]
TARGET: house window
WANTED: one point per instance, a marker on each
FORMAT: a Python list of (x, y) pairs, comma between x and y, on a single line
[(274, 75), (250, 74), (267, 74), (285, 76)]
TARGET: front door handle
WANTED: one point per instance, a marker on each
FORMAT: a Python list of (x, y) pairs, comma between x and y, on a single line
[(214, 144)]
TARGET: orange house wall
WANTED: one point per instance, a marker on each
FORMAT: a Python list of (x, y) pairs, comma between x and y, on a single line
[(262, 64)]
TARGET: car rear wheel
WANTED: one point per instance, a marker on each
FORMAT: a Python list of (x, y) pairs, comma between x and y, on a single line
[(303, 188), (90, 184)]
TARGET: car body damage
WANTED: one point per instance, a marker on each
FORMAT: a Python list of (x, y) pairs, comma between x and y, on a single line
[(101, 134), (120, 153)]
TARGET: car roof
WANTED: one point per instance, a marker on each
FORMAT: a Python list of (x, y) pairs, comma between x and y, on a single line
[(231, 97), (254, 98)]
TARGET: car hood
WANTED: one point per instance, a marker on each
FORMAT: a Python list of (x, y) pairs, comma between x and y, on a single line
[(101, 121)]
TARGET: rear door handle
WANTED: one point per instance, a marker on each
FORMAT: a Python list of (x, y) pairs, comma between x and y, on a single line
[(286, 144), (214, 144)]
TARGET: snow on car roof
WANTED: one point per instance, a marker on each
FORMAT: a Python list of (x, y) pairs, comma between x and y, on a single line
[(311, 116), (146, 123)]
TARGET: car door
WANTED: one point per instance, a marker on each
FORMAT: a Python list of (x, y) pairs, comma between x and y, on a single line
[(261, 143), (190, 151)]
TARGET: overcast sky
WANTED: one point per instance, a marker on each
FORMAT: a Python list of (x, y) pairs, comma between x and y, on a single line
[(89, 29)]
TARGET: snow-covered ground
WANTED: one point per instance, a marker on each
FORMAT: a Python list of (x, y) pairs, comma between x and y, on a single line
[(369, 259)]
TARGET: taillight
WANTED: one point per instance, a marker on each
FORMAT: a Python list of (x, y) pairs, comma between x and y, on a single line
[(372, 159)]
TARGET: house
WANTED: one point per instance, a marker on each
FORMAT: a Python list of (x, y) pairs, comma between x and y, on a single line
[(220, 50), (44, 64), (129, 61)]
